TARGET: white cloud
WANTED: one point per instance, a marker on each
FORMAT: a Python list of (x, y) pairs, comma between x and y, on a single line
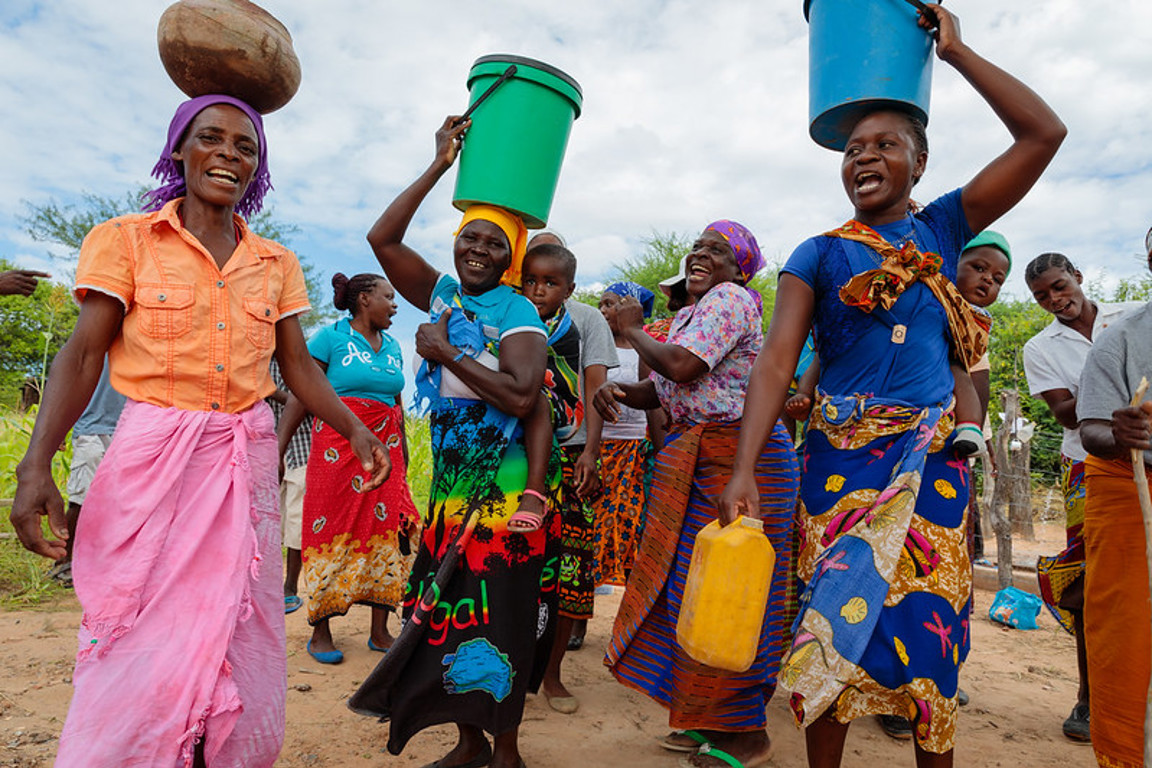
[(692, 112)]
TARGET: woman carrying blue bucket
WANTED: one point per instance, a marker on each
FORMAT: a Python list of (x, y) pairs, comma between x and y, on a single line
[(884, 617)]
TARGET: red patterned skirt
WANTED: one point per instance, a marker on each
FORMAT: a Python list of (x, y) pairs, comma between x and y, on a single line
[(352, 549)]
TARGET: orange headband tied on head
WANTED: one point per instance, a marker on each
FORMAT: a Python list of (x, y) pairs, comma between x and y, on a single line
[(513, 228)]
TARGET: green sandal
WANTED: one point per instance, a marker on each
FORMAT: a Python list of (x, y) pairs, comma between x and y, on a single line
[(711, 750)]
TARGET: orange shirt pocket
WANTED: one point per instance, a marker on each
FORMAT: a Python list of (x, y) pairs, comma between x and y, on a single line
[(164, 309), (260, 316)]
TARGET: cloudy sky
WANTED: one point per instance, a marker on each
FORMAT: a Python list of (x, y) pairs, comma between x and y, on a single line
[(693, 111)]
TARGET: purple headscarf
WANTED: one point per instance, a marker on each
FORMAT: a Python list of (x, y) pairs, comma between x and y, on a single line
[(749, 260), (171, 175), (743, 244)]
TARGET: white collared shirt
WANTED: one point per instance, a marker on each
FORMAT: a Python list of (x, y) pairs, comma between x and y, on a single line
[(1054, 359)]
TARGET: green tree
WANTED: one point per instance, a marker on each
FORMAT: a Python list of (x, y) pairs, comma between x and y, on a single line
[(33, 330), (1014, 322), (67, 225)]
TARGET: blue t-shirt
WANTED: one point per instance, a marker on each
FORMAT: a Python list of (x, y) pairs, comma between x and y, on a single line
[(857, 352), (103, 410), (354, 368), (501, 310)]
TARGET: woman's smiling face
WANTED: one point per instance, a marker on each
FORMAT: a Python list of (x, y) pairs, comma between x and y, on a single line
[(710, 263), (220, 153), (881, 163), (482, 256)]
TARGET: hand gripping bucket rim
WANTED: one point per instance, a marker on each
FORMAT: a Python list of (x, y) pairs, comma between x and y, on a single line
[(834, 114)]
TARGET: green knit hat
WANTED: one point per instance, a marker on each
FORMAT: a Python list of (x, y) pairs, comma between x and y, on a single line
[(993, 239)]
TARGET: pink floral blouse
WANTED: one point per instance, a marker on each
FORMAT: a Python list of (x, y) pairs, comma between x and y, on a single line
[(723, 330)]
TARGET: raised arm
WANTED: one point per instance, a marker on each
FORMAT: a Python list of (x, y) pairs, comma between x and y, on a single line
[(767, 388), (407, 270), (75, 373), (1036, 130)]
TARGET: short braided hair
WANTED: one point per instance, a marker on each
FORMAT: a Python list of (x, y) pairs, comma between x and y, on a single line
[(1045, 262)]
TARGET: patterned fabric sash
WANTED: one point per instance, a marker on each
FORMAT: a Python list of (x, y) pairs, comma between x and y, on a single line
[(841, 604), (902, 267)]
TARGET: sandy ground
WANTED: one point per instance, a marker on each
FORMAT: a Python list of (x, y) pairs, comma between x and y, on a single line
[(1022, 686)]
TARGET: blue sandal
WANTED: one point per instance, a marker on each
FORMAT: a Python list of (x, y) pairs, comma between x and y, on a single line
[(325, 657), (292, 603)]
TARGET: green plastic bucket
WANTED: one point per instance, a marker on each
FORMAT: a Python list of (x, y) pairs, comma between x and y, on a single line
[(513, 152)]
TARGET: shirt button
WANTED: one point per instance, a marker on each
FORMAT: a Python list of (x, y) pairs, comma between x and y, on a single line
[(220, 326), (219, 367), (162, 297), (267, 313), (219, 283), (215, 406)]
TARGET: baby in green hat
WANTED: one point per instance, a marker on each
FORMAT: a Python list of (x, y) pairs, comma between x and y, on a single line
[(981, 272)]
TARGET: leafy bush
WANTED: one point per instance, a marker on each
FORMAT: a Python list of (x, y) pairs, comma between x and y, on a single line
[(22, 574)]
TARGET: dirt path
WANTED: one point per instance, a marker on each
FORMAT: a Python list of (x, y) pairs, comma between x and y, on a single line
[(1022, 686)]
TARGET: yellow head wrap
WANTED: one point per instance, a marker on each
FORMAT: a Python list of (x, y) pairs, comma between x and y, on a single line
[(513, 228)]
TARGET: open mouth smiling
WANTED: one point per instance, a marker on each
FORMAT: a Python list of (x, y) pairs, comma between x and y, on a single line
[(220, 174), (868, 182)]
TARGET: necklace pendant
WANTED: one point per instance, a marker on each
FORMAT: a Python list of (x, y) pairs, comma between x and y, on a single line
[(899, 333)]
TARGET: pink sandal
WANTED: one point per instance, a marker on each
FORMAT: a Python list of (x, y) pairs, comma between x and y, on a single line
[(523, 521)]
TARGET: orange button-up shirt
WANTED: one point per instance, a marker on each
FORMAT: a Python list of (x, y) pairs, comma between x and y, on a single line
[(195, 336)]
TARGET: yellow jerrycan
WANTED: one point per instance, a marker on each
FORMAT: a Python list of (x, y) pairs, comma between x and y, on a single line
[(726, 594)]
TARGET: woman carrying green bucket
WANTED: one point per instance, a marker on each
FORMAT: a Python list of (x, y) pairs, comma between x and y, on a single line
[(884, 617), (480, 605)]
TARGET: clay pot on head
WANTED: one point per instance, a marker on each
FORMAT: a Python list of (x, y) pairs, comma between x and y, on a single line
[(232, 47)]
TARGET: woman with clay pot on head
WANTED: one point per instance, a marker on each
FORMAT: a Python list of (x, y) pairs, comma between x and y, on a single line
[(177, 560)]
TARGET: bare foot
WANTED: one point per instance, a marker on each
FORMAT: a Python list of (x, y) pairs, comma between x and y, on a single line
[(465, 751), (381, 642), (752, 749)]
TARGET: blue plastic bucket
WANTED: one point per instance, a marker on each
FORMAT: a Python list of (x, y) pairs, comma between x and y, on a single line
[(864, 55), (513, 152)]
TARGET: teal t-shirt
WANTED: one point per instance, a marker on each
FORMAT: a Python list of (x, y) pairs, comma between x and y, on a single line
[(354, 368), (501, 310)]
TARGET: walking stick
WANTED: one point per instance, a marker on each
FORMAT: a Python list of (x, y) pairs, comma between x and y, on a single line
[(367, 699), (1141, 478)]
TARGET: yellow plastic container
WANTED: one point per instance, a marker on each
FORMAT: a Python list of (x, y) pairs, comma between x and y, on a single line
[(726, 594)]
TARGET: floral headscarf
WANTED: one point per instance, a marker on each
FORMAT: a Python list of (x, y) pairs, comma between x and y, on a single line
[(743, 243)]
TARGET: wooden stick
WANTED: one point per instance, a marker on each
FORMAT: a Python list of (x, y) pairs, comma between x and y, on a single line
[(1141, 478)]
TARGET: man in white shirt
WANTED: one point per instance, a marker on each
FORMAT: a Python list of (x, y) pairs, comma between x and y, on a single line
[(1053, 361)]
